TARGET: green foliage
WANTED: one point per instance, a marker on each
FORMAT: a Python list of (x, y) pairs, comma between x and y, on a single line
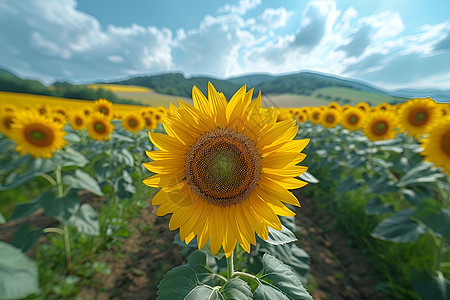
[(18, 274)]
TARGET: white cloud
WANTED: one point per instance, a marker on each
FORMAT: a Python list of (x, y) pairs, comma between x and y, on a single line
[(52, 37), (271, 18), (240, 9)]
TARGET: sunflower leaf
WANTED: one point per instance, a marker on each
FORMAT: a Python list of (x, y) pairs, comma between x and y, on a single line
[(284, 236), (85, 219), (83, 180), (236, 289), (428, 287), (429, 212), (277, 281), (189, 281), (400, 228), (18, 274)]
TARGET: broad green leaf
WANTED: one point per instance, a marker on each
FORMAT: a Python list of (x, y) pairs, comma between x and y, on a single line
[(59, 208), (71, 157), (18, 274), (83, 180), (14, 180), (178, 283), (2, 218), (277, 281), (203, 292), (376, 207), (429, 212), (299, 262), (72, 137), (400, 228), (281, 237), (10, 165), (26, 236), (24, 209), (428, 287), (85, 219), (236, 288), (423, 173)]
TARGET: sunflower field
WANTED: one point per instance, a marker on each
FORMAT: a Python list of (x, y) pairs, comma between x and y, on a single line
[(229, 175)]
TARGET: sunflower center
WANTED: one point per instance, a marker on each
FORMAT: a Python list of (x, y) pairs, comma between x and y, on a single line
[(104, 110), (132, 123), (39, 135), (330, 118), (380, 128), (7, 122), (78, 121), (353, 119), (223, 166), (99, 127), (445, 143), (418, 117), (316, 116)]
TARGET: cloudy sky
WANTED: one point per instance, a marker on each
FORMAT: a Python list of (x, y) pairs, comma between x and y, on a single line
[(393, 44)]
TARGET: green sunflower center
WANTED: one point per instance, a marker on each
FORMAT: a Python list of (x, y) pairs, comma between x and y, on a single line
[(39, 135), (330, 118), (132, 123), (380, 128), (445, 143), (78, 121), (222, 167), (104, 110), (418, 117), (99, 127), (353, 119)]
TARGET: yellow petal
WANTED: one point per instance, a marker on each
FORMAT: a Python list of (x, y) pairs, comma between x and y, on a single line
[(292, 171), (167, 143), (200, 101), (164, 180), (271, 189), (264, 211), (281, 160), (216, 229), (218, 106), (286, 182)]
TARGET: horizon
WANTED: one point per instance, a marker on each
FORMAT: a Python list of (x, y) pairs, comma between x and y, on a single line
[(385, 45)]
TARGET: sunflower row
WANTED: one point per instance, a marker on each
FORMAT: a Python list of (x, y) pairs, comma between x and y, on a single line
[(38, 130), (421, 118)]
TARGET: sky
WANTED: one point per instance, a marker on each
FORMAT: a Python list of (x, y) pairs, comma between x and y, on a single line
[(391, 44)]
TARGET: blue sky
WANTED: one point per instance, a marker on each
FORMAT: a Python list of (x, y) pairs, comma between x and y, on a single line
[(393, 44)]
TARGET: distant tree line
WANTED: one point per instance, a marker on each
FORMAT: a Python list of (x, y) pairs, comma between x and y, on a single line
[(11, 83)]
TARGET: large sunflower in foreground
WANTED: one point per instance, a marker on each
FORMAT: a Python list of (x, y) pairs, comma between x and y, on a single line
[(225, 169), (417, 116), (36, 135), (380, 125), (437, 145)]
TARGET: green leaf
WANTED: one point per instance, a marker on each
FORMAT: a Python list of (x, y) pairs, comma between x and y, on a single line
[(277, 281), (203, 292), (72, 137), (24, 209), (428, 287), (71, 157), (299, 262), (430, 213), (423, 173), (59, 208), (83, 180), (26, 237), (400, 228), (236, 288), (281, 237), (2, 219), (18, 274), (308, 177), (376, 207), (85, 219)]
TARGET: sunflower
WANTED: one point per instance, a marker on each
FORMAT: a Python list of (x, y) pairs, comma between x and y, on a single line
[(334, 105), (99, 126), (43, 109), (352, 118), (283, 115), (315, 114), (380, 125), (77, 120), (58, 118), (36, 135), (150, 122), (383, 106), (225, 169), (444, 109), (103, 106), (301, 117), (330, 118), (363, 106), (133, 122), (417, 116), (437, 145), (6, 120)]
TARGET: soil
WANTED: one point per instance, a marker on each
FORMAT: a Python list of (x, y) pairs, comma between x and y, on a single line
[(338, 269)]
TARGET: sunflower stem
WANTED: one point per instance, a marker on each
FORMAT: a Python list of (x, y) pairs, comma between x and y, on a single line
[(230, 265), (60, 194), (49, 178)]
